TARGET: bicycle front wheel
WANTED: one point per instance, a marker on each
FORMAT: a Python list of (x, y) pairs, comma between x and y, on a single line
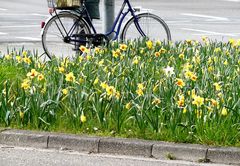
[(146, 25), (58, 35)]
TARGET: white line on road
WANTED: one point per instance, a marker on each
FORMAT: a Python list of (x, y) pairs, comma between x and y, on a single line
[(19, 26), (2, 33), (233, 0), (37, 14), (29, 38), (209, 18), (211, 32), (2, 9)]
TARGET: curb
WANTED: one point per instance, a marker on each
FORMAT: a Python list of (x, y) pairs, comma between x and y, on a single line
[(121, 146)]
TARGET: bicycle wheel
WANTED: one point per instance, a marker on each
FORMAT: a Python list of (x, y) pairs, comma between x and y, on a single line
[(58, 35), (146, 25)]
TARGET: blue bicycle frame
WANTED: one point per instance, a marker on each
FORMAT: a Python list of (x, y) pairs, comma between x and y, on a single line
[(119, 20)]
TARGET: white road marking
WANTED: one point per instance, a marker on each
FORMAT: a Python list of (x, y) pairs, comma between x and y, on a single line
[(211, 32), (22, 14), (209, 18), (2, 33), (2, 9), (232, 0), (20, 26), (29, 38), (37, 14)]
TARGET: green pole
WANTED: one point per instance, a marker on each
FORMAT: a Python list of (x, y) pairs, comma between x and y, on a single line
[(108, 16)]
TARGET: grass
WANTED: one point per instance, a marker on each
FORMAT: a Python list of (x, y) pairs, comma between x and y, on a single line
[(181, 92)]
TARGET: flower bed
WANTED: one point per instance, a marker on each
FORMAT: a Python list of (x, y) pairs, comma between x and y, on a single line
[(182, 92)]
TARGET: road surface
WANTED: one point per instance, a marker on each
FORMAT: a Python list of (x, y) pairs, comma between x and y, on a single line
[(19, 156), (187, 19)]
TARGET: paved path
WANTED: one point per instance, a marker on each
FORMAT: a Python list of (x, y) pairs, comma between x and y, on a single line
[(19, 156), (20, 19)]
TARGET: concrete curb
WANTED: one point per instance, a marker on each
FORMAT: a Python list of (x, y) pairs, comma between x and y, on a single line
[(121, 146)]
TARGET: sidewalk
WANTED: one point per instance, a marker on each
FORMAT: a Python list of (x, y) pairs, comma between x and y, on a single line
[(121, 146)]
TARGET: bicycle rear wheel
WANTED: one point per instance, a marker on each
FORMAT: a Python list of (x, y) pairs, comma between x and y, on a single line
[(58, 35), (146, 25)]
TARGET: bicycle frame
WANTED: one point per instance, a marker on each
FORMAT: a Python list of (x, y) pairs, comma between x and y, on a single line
[(118, 21), (116, 25)]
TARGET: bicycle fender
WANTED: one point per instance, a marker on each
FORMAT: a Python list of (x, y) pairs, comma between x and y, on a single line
[(49, 18)]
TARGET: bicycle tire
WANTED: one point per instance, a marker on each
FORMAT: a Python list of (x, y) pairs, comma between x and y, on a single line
[(153, 26), (55, 31)]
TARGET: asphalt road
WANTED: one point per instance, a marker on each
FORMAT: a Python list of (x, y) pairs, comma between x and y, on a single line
[(18, 156), (187, 19)]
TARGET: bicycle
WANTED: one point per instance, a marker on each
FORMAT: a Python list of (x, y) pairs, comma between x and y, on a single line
[(66, 30)]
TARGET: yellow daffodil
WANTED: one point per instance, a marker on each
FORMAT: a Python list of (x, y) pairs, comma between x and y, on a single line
[(21, 114), (232, 41), (61, 69), (27, 60), (210, 69), (117, 95), (83, 118), (135, 61), (184, 110), (97, 50), (157, 54), (40, 77), (19, 59), (224, 112), (217, 50), (32, 74), (65, 91), (83, 49), (225, 62), (214, 103), (89, 57), (25, 84), (149, 44), (70, 77), (181, 101), (217, 86), (128, 105), (139, 92), (198, 101), (181, 56), (180, 83), (24, 53), (193, 77), (110, 90), (81, 80), (123, 47), (158, 43), (188, 41), (187, 66), (156, 101), (116, 53), (8, 57), (140, 86), (162, 51), (100, 63), (104, 85), (96, 81)]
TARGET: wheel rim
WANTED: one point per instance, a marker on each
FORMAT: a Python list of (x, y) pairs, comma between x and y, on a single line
[(152, 27), (54, 37)]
